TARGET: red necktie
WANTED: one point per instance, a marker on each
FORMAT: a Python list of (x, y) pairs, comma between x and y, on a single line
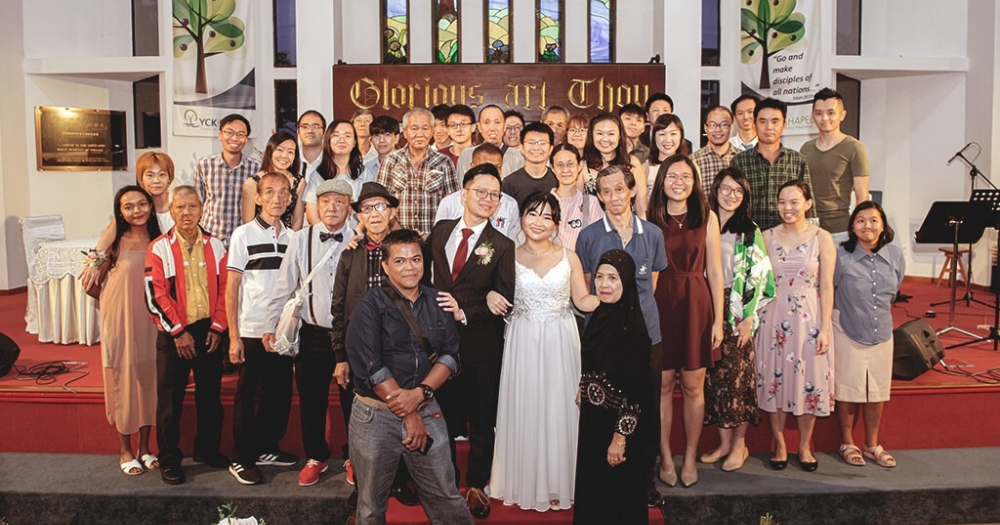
[(462, 254)]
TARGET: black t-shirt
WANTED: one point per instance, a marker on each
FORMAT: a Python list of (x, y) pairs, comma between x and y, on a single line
[(519, 184)]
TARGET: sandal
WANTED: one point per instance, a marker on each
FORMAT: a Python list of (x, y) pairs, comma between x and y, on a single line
[(852, 455), (150, 461), (880, 456), (132, 468)]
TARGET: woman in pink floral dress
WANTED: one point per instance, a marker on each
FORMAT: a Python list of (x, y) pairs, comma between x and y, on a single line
[(794, 359)]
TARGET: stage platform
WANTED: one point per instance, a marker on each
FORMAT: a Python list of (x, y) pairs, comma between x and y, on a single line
[(943, 418)]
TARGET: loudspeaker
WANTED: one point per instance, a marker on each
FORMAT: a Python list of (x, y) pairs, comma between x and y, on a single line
[(8, 354), (915, 350)]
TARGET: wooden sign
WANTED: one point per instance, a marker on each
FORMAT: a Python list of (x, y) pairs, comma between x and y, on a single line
[(529, 88), (72, 139)]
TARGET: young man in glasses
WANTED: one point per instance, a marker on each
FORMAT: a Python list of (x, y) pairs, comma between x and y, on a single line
[(218, 179), (719, 152)]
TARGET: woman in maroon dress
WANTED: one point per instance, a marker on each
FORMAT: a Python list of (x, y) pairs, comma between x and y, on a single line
[(690, 304)]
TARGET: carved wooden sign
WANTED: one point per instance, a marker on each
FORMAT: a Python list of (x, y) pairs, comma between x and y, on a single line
[(528, 88)]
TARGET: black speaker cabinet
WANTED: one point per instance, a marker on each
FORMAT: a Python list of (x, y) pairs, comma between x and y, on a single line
[(916, 349), (8, 354)]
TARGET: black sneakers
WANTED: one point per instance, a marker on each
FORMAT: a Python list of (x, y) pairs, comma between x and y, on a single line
[(245, 475), (279, 458)]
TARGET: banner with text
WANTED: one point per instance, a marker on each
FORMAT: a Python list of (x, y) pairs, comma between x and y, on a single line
[(528, 88), (780, 54), (213, 64)]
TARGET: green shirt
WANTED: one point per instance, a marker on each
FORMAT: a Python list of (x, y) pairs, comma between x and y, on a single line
[(834, 171), (766, 179)]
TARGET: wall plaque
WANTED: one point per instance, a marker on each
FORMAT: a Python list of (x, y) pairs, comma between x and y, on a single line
[(72, 139)]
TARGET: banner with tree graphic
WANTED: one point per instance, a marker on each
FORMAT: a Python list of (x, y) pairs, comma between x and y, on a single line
[(213, 64), (780, 55)]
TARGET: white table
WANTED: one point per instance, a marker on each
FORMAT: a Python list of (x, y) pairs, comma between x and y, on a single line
[(59, 310)]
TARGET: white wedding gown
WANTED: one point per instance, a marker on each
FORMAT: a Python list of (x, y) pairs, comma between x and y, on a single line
[(534, 461)]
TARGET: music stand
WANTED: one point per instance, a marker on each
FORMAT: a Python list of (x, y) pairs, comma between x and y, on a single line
[(954, 222), (991, 198)]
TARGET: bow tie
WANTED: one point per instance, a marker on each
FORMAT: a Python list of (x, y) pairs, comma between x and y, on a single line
[(323, 237), (372, 246)]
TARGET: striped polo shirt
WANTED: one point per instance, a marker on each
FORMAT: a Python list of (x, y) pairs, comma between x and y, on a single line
[(256, 250)]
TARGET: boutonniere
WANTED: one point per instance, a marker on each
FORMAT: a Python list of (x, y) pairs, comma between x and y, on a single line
[(485, 253)]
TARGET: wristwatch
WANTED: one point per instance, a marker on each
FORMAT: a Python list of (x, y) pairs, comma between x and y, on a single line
[(428, 392)]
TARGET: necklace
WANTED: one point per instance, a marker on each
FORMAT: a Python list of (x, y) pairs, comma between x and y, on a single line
[(680, 222), (543, 252)]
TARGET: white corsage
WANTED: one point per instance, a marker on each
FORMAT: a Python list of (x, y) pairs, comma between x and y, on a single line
[(485, 253)]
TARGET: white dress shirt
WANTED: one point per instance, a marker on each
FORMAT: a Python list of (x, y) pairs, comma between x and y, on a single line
[(451, 247), (506, 219)]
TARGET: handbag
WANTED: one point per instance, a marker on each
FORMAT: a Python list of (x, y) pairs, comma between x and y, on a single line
[(95, 288), (286, 335), (410, 321)]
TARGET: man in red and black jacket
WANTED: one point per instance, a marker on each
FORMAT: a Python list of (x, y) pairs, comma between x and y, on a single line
[(185, 282)]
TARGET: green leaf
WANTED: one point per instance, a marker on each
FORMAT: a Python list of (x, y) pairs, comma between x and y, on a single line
[(748, 20), (220, 10), (228, 29), (752, 47), (784, 40), (790, 26), (781, 11), (198, 16), (223, 44), (185, 40), (763, 17)]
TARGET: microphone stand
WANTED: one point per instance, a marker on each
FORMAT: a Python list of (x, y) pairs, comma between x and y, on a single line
[(973, 174)]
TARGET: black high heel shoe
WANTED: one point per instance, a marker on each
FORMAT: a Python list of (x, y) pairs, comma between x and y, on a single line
[(778, 464)]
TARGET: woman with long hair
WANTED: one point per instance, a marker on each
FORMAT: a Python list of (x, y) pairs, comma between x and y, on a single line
[(606, 146), (668, 140), (690, 299), (341, 159), (281, 155), (154, 173), (794, 357), (869, 273), (541, 368), (128, 339), (730, 397)]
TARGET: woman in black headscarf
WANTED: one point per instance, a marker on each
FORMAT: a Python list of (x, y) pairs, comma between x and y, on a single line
[(611, 474)]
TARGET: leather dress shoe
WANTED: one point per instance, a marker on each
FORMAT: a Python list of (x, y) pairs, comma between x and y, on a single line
[(653, 497), (478, 502), (352, 500), (405, 495), (215, 460), (172, 474)]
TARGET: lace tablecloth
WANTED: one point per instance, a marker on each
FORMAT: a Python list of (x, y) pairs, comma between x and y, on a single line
[(59, 310)]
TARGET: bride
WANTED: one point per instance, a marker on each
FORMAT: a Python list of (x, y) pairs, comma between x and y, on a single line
[(534, 459)]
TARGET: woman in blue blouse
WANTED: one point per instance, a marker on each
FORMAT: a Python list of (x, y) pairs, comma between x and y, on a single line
[(868, 275)]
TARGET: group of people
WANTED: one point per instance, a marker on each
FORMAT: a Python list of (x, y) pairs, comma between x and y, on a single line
[(539, 289)]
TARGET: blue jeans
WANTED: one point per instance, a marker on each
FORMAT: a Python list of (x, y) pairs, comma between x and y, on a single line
[(376, 439)]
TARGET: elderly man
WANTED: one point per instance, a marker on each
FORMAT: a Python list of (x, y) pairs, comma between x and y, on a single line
[(402, 347), (264, 392), (218, 179), (185, 293), (470, 259), (491, 127), (719, 152), (416, 175), (556, 118), (315, 248)]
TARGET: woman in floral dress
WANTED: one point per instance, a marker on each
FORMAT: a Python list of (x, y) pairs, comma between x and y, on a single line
[(794, 358)]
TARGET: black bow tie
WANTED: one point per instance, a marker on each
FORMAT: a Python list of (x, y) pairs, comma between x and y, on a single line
[(323, 237)]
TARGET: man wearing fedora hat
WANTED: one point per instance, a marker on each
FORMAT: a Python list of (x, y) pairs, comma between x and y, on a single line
[(314, 364), (359, 270)]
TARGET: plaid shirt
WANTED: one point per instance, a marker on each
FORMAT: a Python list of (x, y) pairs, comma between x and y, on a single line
[(419, 189), (766, 178), (221, 190), (710, 163)]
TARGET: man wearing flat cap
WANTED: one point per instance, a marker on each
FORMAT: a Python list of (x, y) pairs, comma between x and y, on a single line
[(318, 246)]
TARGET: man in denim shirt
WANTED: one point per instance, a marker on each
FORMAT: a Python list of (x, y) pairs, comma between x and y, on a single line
[(395, 380)]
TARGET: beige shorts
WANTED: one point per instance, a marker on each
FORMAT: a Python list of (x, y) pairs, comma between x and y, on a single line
[(862, 373)]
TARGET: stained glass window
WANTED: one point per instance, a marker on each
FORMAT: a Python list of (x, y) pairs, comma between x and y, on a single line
[(498, 37), (601, 31), (395, 31), (446, 34), (549, 15)]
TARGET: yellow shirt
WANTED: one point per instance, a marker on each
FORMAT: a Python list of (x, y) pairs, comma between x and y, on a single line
[(195, 279)]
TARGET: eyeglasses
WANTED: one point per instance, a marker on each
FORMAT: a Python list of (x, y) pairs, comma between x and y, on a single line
[(512, 129), (673, 177), (311, 127), (726, 191), (541, 143), (715, 125), (561, 166), (341, 135), (379, 207), (231, 134), (575, 131), (459, 125), (484, 193)]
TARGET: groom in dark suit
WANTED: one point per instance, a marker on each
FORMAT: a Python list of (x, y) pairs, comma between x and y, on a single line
[(470, 259)]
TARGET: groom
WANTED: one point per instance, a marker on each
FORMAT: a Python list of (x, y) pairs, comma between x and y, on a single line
[(471, 258)]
